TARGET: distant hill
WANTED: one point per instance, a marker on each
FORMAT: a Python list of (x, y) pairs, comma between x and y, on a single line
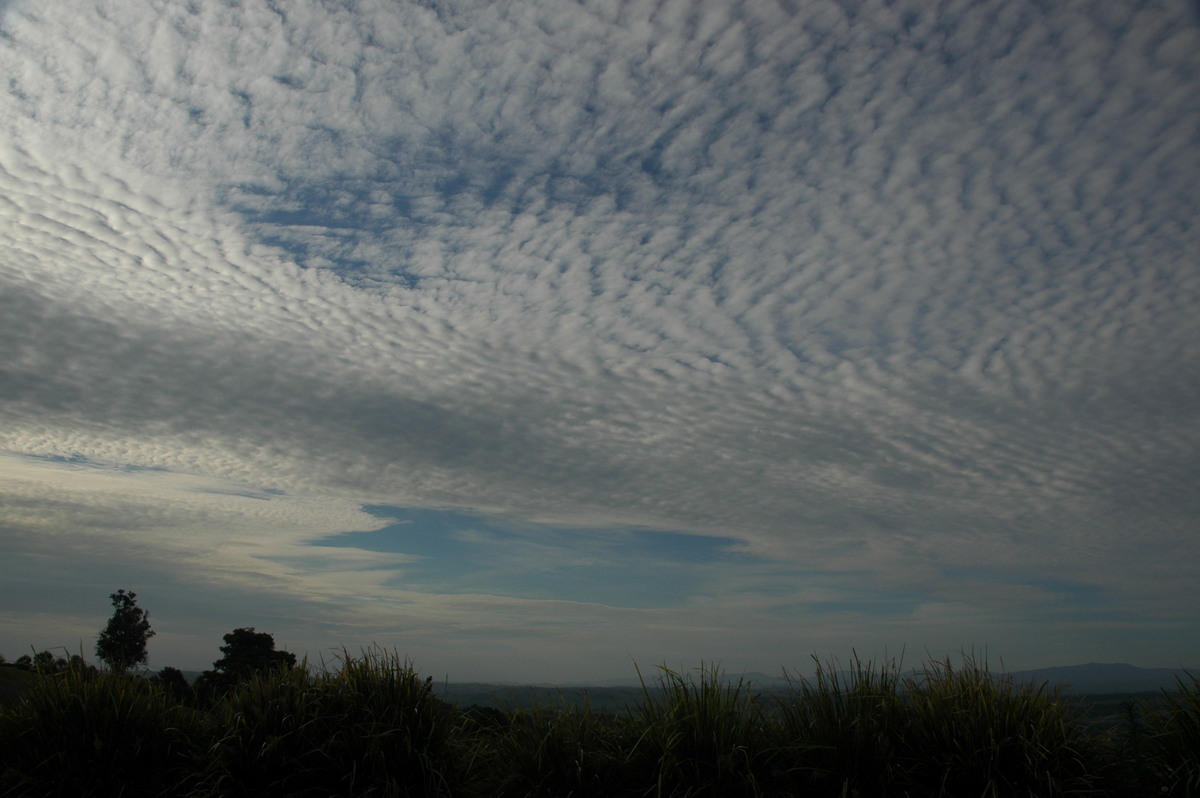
[(1096, 678), (1093, 679), (509, 696), (652, 676)]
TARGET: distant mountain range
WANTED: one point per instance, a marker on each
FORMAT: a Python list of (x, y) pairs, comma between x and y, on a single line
[(1094, 677), (1093, 680), (1098, 677)]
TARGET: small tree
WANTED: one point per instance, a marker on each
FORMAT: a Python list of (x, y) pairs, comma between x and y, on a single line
[(174, 682), (247, 653), (122, 643)]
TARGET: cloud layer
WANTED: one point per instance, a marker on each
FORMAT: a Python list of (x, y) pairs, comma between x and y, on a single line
[(900, 300)]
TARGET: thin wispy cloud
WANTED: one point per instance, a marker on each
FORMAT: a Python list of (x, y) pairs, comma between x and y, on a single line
[(897, 303)]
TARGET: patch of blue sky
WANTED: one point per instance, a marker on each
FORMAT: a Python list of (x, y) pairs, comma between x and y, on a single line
[(337, 205), (71, 459), (76, 459), (243, 494), (423, 533), (681, 547), (456, 552)]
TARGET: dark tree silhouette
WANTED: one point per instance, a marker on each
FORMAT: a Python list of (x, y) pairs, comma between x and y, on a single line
[(45, 662), (174, 682), (247, 653), (122, 643)]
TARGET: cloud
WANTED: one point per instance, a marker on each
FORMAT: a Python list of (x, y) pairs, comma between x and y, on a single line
[(878, 291)]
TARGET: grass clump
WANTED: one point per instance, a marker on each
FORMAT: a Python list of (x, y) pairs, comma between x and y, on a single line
[(371, 727), (1173, 740), (87, 733), (568, 751), (700, 735), (839, 734), (969, 732)]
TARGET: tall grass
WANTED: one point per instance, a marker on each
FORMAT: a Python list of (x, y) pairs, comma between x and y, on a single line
[(371, 725), (1133, 766), (839, 733), (1174, 740), (568, 751), (700, 735), (81, 733), (969, 732)]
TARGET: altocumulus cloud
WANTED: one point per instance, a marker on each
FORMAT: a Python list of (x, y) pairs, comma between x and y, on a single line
[(854, 323)]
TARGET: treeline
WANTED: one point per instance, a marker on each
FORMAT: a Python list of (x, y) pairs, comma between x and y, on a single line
[(371, 725), (121, 647)]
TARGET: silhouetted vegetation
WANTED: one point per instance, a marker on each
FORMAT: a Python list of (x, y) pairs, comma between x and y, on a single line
[(371, 725), (122, 642), (46, 662), (174, 683), (248, 655)]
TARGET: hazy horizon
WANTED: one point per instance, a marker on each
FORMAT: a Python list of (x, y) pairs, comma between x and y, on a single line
[(537, 339)]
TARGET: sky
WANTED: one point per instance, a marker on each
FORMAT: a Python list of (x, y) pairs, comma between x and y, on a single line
[(540, 340)]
